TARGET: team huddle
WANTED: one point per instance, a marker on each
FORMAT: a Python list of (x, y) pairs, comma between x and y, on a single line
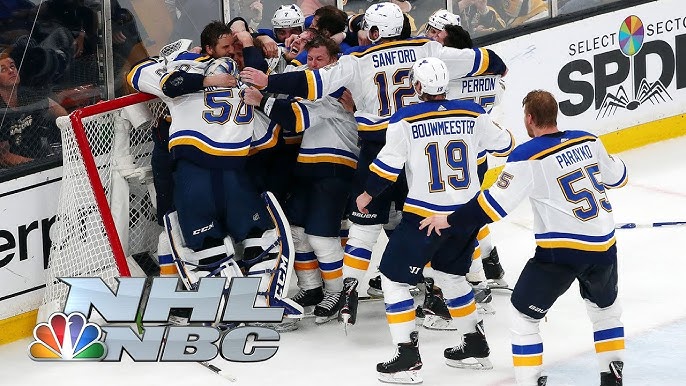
[(292, 149)]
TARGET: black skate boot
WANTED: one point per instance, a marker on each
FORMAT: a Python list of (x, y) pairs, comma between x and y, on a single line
[(475, 347), (436, 313), (482, 297), (328, 308), (375, 290), (405, 366), (310, 297), (493, 270), (542, 381), (614, 376), (348, 313)]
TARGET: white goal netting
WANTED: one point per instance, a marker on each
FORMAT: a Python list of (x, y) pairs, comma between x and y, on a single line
[(106, 210)]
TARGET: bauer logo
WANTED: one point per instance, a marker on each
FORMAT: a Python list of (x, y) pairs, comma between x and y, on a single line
[(69, 336)]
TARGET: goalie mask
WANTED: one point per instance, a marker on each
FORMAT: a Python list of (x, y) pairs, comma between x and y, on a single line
[(386, 17), (431, 74)]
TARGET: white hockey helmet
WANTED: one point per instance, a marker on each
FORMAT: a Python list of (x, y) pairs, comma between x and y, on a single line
[(223, 65), (432, 74), (442, 17), (288, 16), (387, 17)]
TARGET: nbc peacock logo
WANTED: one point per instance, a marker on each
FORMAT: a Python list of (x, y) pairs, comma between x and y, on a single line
[(67, 338)]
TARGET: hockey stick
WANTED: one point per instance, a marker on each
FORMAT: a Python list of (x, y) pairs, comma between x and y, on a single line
[(633, 225)]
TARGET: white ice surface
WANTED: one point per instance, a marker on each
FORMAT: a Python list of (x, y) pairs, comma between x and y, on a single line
[(652, 267)]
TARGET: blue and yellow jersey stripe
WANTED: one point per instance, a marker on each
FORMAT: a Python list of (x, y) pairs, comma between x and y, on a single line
[(527, 355), (400, 312), (611, 339), (384, 171), (327, 155), (413, 42), (331, 271), (575, 241), (356, 257), (207, 145), (461, 306), (427, 209), (365, 124), (134, 75), (504, 152), (314, 84), (622, 181), (268, 141), (481, 62), (490, 206), (302, 116)]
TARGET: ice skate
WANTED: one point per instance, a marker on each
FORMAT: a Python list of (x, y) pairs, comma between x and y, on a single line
[(614, 376), (483, 298), (472, 353), (375, 290), (309, 298), (542, 381), (348, 314), (494, 271), (405, 365), (328, 308), (436, 313)]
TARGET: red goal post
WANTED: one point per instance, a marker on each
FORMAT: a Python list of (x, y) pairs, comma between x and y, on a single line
[(106, 206)]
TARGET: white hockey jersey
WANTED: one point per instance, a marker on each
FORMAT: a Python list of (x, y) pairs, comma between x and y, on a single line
[(485, 90), (565, 176), (329, 137), (378, 78), (438, 143), (212, 127)]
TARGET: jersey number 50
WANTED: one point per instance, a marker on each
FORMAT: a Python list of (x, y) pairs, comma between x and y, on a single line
[(456, 158), (589, 209), (221, 108)]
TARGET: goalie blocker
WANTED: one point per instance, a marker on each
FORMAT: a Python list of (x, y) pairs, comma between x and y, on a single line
[(274, 265)]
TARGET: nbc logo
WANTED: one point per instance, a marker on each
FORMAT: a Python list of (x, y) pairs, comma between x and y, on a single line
[(67, 338)]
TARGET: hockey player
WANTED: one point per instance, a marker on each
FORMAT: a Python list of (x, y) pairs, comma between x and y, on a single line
[(437, 22), (437, 142), (564, 174), (288, 20), (325, 166), (215, 202), (377, 77)]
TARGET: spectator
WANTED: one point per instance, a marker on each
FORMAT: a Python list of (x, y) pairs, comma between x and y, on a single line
[(482, 19), (27, 130), (518, 12)]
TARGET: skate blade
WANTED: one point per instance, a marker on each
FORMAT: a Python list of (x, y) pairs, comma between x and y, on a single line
[(433, 322), (345, 318), (470, 363), (324, 319), (403, 377), (485, 309), (285, 326), (497, 284), (375, 293)]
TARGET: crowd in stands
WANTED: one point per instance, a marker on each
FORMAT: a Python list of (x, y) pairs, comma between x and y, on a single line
[(53, 55)]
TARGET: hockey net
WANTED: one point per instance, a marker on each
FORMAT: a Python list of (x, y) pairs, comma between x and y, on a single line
[(106, 213)]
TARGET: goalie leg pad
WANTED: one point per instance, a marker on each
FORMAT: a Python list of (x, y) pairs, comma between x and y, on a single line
[(165, 257), (192, 265)]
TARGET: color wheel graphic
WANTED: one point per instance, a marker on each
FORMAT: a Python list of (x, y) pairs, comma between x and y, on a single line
[(631, 35)]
